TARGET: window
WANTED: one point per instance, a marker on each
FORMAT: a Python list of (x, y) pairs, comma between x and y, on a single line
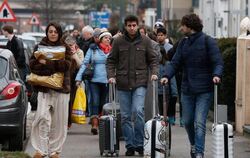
[(3, 67), (195, 3)]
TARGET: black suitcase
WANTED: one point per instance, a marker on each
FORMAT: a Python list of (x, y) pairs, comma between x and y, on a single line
[(108, 130)]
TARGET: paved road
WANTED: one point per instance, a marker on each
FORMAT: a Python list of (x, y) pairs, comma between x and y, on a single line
[(81, 144)]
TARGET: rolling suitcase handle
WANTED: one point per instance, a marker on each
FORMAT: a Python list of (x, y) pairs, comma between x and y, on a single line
[(112, 97), (155, 97), (215, 104), (165, 106)]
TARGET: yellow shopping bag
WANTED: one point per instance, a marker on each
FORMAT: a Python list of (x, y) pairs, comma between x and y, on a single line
[(78, 114)]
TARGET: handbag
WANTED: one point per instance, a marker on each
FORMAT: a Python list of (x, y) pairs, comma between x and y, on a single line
[(78, 114), (88, 73), (54, 81)]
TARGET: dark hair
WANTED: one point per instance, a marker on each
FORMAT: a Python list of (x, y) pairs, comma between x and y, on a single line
[(58, 29), (152, 36), (143, 27), (164, 56), (161, 30), (8, 29), (114, 30), (192, 21), (130, 18)]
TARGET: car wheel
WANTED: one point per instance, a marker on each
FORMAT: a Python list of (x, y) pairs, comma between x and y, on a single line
[(16, 141)]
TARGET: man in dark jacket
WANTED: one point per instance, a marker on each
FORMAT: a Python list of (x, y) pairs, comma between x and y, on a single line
[(127, 64), (15, 45), (202, 66)]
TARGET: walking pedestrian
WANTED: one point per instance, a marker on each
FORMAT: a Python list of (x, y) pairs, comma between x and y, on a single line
[(49, 128), (84, 43), (15, 45), (199, 57), (76, 58), (171, 94), (131, 56), (98, 84), (161, 33)]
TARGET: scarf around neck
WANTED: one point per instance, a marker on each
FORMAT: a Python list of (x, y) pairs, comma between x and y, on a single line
[(105, 48)]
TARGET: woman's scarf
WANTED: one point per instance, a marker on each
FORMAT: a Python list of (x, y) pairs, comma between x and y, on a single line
[(105, 48)]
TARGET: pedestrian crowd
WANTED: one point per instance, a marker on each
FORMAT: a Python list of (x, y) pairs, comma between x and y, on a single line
[(131, 58)]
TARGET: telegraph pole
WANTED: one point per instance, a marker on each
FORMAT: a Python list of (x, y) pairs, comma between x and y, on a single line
[(158, 12)]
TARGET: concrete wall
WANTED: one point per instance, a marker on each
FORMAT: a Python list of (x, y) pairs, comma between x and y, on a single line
[(242, 101)]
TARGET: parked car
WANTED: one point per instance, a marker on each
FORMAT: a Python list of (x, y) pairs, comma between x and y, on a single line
[(38, 35), (30, 41), (32, 96), (14, 103)]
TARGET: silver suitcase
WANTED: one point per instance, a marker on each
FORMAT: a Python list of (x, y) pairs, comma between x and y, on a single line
[(222, 133)]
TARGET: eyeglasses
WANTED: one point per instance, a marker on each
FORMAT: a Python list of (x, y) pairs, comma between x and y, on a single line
[(131, 25)]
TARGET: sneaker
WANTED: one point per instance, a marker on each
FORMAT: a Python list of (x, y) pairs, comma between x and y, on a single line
[(199, 155), (192, 151), (130, 152), (94, 131), (38, 155), (181, 123), (139, 150), (171, 120)]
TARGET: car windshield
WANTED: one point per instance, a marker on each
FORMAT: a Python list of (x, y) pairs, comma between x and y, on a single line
[(30, 43), (3, 63)]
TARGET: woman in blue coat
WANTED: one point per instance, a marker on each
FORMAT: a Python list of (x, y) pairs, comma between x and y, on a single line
[(97, 54)]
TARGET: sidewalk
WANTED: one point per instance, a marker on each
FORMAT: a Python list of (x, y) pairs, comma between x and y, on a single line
[(81, 144)]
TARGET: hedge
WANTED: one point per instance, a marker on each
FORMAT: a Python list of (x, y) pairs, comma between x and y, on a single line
[(227, 88)]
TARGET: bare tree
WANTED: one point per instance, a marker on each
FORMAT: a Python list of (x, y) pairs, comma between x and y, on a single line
[(54, 9)]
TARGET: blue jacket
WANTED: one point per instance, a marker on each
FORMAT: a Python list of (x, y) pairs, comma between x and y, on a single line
[(200, 60), (99, 59)]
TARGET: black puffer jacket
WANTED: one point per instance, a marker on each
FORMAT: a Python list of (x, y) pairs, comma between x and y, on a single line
[(15, 45)]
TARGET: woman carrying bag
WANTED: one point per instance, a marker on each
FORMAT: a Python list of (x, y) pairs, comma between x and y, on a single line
[(49, 129), (97, 55)]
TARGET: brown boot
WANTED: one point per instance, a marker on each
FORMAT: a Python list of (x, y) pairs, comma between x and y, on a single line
[(38, 155), (94, 123)]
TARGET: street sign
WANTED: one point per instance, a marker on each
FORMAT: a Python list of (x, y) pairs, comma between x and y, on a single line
[(6, 13), (34, 20), (99, 19)]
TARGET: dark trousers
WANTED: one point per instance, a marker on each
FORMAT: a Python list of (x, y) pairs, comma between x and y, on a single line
[(171, 105)]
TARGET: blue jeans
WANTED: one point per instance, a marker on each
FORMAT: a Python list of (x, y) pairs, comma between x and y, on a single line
[(99, 93), (89, 97), (132, 103), (194, 113)]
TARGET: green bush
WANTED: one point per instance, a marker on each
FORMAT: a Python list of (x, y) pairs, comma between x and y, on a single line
[(14, 155), (226, 93)]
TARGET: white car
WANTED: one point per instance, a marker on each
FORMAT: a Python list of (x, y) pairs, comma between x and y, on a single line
[(30, 41), (38, 35)]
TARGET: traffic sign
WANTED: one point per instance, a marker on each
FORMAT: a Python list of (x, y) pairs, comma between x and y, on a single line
[(99, 19), (6, 13), (34, 20)]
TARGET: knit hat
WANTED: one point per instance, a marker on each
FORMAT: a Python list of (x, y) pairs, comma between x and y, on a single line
[(105, 33), (158, 24)]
